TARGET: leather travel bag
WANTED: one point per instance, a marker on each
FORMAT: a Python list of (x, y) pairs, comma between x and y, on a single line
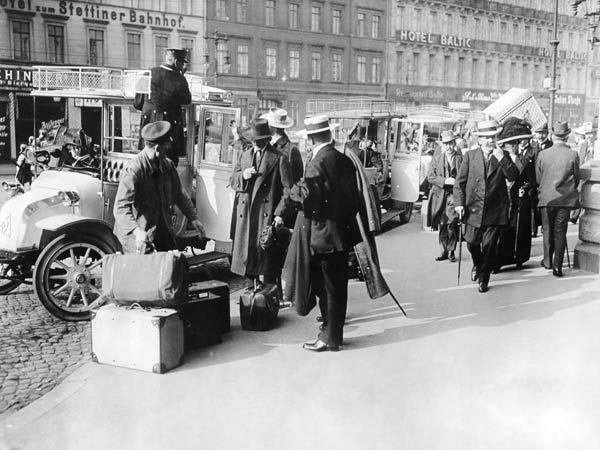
[(156, 279), (259, 307)]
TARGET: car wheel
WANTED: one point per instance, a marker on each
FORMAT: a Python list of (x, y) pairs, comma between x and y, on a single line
[(7, 286), (68, 275)]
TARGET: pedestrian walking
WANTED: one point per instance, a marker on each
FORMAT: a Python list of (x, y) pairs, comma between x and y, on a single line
[(480, 195), (169, 92), (541, 137), (582, 143), (263, 178), (24, 165), (325, 230), (557, 174), (149, 190), (515, 239), (441, 214)]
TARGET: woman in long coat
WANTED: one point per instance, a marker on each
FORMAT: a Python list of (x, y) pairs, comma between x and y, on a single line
[(262, 177)]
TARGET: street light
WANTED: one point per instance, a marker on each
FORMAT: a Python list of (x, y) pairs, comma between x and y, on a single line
[(222, 59)]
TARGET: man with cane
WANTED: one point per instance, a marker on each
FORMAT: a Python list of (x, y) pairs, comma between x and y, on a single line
[(480, 195)]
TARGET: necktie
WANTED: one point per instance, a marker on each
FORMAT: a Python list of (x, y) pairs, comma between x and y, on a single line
[(256, 159), (309, 156)]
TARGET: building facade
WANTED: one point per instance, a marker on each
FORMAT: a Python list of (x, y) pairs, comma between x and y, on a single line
[(126, 34)]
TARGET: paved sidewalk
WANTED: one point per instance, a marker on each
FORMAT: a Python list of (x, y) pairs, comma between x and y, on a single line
[(515, 368)]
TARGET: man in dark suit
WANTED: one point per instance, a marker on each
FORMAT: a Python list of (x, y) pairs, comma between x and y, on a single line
[(169, 92), (329, 198), (557, 174), (540, 135), (441, 177), (480, 194)]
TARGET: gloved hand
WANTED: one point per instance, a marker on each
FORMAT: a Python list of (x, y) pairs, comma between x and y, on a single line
[(141, 239), (199, 227), (459, 210), (278, 221), (248, 173)]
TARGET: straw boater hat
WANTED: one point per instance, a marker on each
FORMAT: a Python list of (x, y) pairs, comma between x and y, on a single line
[(259, 129), (514, 129), (586, 128), (448, 136), (156, 132), (488, 128), (561, 129), (278, 118), (318, 124)]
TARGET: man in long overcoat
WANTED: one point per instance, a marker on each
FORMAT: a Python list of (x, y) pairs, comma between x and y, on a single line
[(480, 194), (557, 174), (441, 177), (262, 177), (169, 91)]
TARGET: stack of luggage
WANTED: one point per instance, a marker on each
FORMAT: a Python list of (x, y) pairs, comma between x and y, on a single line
[(153, 314)]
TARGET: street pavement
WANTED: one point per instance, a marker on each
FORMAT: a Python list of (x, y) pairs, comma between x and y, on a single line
[(515, 368)]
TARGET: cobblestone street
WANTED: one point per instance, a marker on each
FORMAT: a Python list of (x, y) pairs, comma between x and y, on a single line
[(37, 350)]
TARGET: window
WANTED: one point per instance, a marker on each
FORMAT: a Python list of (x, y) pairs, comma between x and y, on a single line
[(503, 30), (336, 67), (433, 79), (375, 24), (446, 70), (97, 48), (336, 21), (294, 63), (513, 73), (463, 24), (242, 103), (271, 61), (376, 70), (501, 78), (489, 74), (461, 71), (161, 43), (188, 45), (361, 69), (433, 17), (56, 43), (315, 19), (270, 13), (315, 58), (293, 15), (242, 59), (242, 11), (491, 35), (538, 37), (360, 24), (21, 40), (222, 53), (416, 69), (220, 9), (476, 72), (448, 25), (515, 36), (134, 50)]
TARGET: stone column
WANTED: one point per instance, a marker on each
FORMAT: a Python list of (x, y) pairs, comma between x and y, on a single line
[(587, 250)]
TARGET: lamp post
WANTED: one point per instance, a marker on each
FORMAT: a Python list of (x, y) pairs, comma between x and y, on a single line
[(554, 43), (222, 64)]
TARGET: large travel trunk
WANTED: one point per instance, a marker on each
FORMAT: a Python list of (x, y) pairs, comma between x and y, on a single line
[(149, 339), (259, 307), (517, 102), (206, 316), (156, 279)]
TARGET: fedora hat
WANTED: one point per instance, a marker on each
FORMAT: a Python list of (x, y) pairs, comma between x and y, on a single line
[(561, 129), (318, 124), (278, 118), (179, 53), (488, 128), (542, 128), (448, 136), (259, 129), (156, 132)]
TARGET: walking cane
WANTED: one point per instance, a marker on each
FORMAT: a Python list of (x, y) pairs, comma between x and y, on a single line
[(568, 257), (521, 193), (459, 246)]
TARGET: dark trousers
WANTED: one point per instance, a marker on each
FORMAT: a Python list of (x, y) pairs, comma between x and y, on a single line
[(482, 243), (448, 236), (329, 279), (555, 221)]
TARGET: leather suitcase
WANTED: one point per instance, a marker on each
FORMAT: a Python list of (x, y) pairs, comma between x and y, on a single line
[(138, 338), (155, 279), (217, 291), (259, 307)]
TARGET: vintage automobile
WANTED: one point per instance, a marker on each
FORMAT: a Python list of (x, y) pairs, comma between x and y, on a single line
[(55, 235)]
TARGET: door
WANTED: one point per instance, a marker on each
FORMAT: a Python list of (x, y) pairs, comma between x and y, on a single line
[(406, 163)]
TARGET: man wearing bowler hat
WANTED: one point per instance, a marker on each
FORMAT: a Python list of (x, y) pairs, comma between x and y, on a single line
[(441, 213), (325, 230), (541, 137), (169, 91), (557, 174), (149, 190), (262, 178), (480, 195)]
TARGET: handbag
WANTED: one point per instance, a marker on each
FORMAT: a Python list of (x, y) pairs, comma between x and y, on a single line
[(272, 236)]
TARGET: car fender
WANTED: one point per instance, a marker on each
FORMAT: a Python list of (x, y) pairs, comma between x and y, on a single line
[(72, 224)]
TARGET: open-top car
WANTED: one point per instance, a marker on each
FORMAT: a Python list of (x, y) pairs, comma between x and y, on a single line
[(55, 235)]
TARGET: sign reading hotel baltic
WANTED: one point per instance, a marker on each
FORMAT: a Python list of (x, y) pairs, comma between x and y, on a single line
[(437, 39), (98, 12)]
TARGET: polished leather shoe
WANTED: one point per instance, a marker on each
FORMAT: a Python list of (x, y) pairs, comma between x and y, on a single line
[(474, 274), (483, 286), (544, 265), (442, 257), (323, 327), (451, 256), (557, 273), (319, 319), (320, 346)]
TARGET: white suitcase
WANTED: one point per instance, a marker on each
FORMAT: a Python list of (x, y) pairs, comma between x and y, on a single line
[(137, 338)]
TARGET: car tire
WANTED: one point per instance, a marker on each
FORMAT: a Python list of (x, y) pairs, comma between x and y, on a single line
[(68, 275)]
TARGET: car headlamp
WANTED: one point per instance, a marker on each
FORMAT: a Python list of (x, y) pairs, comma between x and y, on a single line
[(68, 198)]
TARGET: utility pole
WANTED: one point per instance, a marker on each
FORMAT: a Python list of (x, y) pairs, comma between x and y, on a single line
[(554, 43)]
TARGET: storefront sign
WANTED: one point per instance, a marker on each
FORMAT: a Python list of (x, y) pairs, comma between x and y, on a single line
[(99, 12), (11, 78), (562, 54), (4, 131)]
